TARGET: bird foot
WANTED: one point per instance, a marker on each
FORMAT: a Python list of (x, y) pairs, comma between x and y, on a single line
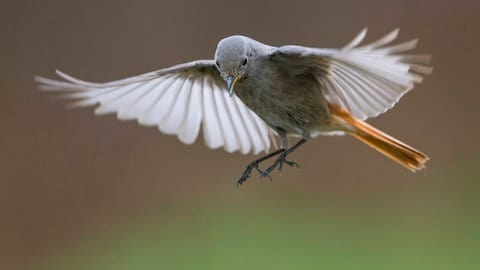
[(282, 159), (248, 171), (254, 165)]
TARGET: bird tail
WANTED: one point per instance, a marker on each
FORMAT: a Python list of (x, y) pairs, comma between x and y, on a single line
[(396, 150)]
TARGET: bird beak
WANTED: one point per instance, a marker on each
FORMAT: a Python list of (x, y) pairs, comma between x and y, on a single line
[(231, 80)]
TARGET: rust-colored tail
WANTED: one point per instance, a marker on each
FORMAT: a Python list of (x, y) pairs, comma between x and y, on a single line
[(398, 151)]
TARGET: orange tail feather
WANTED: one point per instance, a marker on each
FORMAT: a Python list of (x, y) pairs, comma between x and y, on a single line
[(398, 151)]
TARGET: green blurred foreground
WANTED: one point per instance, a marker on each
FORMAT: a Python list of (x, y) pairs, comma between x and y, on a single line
[(437, 227)]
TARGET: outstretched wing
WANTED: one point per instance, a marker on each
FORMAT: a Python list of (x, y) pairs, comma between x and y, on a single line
[(177, 100), (367, 80)]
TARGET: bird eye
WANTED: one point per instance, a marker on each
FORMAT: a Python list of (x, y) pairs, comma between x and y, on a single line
[(245, 62), (218, 64)]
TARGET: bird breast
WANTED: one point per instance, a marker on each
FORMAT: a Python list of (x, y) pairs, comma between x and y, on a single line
[(284, 99)]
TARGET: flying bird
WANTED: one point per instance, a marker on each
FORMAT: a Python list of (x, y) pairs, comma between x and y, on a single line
[(252, 94)]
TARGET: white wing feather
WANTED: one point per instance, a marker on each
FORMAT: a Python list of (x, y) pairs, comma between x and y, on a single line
[(367, 80), (372, 78), (177, 100)]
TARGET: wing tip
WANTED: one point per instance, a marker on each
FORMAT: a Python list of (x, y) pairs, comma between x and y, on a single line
[(356, 40), (389, 37)]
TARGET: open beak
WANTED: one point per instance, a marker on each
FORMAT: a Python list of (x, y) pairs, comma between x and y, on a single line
[(231, 80)]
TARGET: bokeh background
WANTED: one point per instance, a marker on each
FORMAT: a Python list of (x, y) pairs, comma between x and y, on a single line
[(85, 192)]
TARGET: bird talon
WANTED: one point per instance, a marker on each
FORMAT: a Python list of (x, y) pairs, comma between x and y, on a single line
[(291, 163), (266, 173), (279, 162), (248, 172)]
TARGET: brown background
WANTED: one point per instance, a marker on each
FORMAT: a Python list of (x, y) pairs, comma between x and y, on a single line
[(67, 175)]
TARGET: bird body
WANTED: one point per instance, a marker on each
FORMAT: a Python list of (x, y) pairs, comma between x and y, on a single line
[(252, 92), (290, 103)]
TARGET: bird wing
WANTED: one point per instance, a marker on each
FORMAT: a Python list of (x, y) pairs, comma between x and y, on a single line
[(366, 80), (178, 100)]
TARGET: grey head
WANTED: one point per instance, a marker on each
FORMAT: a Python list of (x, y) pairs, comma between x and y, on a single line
[(233, 57)]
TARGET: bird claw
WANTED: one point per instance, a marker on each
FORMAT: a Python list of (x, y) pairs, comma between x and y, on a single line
[(267, 175), (254, 165), (248, 171), (289, 163), (279, 163)]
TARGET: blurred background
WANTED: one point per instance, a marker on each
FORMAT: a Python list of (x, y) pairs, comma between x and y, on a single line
[(85, 192)]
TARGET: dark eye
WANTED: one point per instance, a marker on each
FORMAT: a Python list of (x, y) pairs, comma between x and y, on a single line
[(244, 63), (218, 64)]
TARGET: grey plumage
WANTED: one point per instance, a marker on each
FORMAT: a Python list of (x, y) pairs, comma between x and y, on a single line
[(277, 91)]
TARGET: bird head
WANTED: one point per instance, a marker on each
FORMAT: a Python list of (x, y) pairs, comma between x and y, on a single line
[(232, 59)]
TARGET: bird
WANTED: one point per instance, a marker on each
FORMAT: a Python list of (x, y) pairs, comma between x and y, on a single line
[(253, 97)]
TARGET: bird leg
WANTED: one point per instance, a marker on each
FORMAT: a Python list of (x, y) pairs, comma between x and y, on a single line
[(283, 159), (254, 165)]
